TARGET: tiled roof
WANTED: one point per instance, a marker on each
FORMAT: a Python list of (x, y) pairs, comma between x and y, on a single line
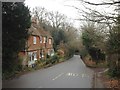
[(44, 33), (36, 30)]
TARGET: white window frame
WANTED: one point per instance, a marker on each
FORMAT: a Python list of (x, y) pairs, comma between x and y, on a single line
[(42, 52), (40, 39), (30, 55), (50, 41), (52, 52), (44, 39), (35, 55), (34, 40)]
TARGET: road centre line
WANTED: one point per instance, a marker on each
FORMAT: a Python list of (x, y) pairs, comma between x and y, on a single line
[(58, 76)]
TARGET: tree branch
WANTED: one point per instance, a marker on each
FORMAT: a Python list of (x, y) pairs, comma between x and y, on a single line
[(104, 3)]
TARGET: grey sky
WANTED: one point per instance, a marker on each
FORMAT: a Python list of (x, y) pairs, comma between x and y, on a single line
[(61, 6)]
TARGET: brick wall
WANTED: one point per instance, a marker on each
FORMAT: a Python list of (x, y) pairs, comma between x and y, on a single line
[(33, 46)]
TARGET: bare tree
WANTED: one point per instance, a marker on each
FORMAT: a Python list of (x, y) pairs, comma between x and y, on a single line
[(107, 18), (112, 2), (41, 13), (56, 19)]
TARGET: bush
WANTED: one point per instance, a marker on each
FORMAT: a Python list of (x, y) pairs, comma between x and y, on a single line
[(114, 72), (7, 75), (48, 56), (54, 59), (48, 61)]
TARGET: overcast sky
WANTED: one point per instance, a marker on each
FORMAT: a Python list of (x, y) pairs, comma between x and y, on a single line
[(61, 6)]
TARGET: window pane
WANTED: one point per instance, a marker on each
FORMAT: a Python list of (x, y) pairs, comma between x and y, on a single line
[(40, 39), (34, 40), (44, 40), (50, 41), (35, 56)]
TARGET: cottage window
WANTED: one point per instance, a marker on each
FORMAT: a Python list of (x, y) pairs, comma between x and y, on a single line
[(50, 41), (40, 39), (44, 40), (35, 56), (52, 52), (34, 40), (30, 56), (41, 54)]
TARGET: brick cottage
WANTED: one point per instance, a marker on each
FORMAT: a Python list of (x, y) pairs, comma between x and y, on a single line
[(38, 45)]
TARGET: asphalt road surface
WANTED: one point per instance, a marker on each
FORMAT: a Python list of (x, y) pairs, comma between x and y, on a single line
[(70, 74)]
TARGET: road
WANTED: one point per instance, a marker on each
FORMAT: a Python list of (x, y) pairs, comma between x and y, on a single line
[(70, 74)]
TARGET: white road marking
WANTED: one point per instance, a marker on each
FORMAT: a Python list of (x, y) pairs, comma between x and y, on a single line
[(58, 76), (69, 74), (83, 75), (72, 74)]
